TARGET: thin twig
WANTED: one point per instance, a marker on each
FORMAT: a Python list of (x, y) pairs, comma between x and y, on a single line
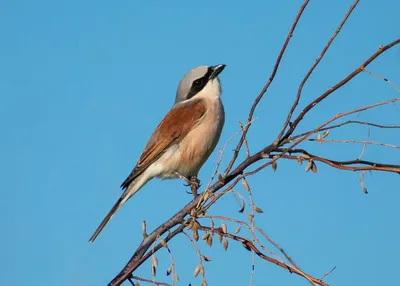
[(249, 245), (222, 151), (358, 70), (150, 281), (317, 61), (266, 86), (246, 143), (277, 246), (355, 141), (346, 123), (198, 253), (383, 78), (327, 273)]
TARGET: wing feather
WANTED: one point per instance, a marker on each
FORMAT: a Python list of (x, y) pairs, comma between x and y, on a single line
[(178, 122)]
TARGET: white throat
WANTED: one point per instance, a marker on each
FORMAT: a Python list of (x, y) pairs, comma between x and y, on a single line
[(211, 90)]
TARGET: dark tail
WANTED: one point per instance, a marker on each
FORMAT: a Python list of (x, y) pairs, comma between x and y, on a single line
[(110, 214)]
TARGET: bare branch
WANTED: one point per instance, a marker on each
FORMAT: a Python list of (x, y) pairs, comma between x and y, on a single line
[(355, 141), (265, 88), (380, 50), (347, 123), (296, 102), (249, 245), (150, 281)]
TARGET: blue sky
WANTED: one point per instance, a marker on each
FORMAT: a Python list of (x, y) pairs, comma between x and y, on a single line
[(84, 83)]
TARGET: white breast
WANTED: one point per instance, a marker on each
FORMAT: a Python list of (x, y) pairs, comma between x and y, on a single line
[(197, 146)]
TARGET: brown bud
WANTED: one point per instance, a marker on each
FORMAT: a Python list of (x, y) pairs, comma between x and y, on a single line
[(154, 261), (196, 270), (224, 228), (210, 240), (299, 160), (245, 185), (196, 235), (206, 258), (309, 165), (314, 167), (226, 244), (205, 236), (274, 166)]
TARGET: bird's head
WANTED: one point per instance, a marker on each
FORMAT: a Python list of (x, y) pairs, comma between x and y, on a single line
[(200, 79)]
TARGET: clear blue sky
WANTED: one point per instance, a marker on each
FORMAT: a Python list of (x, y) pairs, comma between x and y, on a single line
[(84, 83)]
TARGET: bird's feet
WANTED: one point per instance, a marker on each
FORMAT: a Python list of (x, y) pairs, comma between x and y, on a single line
[(193, 183)]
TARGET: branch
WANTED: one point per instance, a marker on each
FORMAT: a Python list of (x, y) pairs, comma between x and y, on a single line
[(365, 142), (344, 165), (337, 86), (265, 88), (149, 281), (175, 224), (250, 246), (296, 102), (349, 122)]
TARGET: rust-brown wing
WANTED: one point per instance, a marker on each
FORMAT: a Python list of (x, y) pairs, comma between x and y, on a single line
[(178, 122)]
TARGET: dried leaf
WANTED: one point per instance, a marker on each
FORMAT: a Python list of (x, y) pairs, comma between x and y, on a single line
[(325, 134), (190, 225), (212, 224), (299, 160), (242, 208), (210, 240), (314, 167), (219, 237), (137, 283), (153, 271), (204, 282), (245, 185), (196, 225), (169, 270), (154, 261), (196, 270), (319, 138), (196, 235), (362, 182), (237, 229), (309, 165), (246, 246), (257, 209), (176, 278), (226, 244), (206, 258), (274, 166), (205, 236), (305, 156), (224, 228)]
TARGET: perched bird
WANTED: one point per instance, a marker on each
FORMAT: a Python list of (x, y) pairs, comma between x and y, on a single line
[(184, 139)]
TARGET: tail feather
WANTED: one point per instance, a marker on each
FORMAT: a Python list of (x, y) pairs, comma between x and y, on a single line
[(132, 189), (110, 214)]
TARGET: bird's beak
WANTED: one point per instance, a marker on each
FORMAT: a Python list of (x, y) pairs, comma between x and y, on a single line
[(216, 70)]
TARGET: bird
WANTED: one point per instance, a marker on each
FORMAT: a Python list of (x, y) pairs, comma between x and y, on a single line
[(184, 139)]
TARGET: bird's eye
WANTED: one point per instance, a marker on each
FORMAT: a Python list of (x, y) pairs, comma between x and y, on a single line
[(198, 82)]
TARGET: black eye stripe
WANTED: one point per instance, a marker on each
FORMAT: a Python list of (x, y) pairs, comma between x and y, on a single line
[(199, 84)]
